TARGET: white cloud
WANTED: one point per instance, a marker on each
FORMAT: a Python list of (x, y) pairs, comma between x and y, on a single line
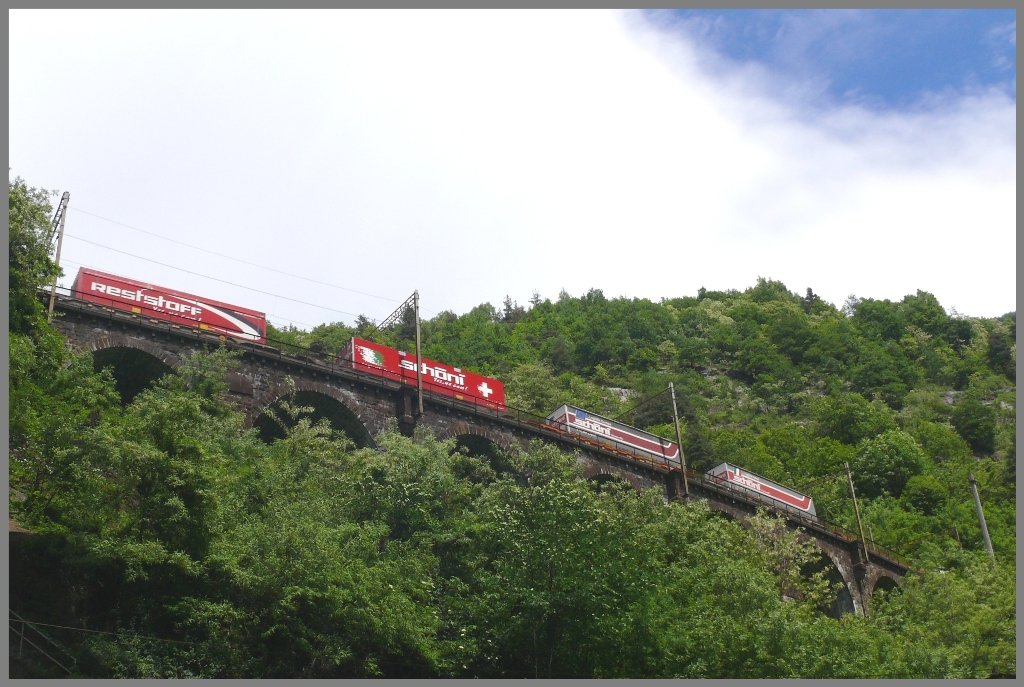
[(474, 154)]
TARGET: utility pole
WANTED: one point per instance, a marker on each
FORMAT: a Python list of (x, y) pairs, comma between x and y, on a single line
[(419, 354), (679, 439), (981, 518), (62, 211), (856, 510)]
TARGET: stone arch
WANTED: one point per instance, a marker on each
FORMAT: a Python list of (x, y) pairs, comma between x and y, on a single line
[(135, 363), (844, 599), (880, 580), (481, 444), (601, 479), (598, 472), (461, 428), (886, 583), (118, 341), (340, 409), (476, 445)]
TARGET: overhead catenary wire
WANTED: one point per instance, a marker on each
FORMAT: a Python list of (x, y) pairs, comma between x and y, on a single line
[(239, 260), (640, 404), (234, 258), (206, 276), (271, 316), (107, 632)]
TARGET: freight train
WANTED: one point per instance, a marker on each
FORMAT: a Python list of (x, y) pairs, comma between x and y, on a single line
[(169, 305), (438, 379)]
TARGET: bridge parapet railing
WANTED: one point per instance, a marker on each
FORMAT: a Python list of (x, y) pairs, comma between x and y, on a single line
[(801, 516), (337, 364), (436, 393), (748, 495), (152, 319), (482, 407)]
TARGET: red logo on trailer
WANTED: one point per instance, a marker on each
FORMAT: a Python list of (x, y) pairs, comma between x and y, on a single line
[(438, 378), (167, 304)]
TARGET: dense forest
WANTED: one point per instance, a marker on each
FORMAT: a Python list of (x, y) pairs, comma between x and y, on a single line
[(167, 539)]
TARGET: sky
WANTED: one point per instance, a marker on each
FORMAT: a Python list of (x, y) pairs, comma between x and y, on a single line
[(318, 165)]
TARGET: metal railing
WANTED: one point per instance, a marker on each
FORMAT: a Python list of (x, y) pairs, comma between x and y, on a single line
[(342, 366), (26, 635), (815, 521), (555, 429)]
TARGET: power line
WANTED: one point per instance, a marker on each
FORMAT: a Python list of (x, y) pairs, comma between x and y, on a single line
[(270, 315), (642, 402), (818, 480), (232, 257), (106, 632), (206, 276)]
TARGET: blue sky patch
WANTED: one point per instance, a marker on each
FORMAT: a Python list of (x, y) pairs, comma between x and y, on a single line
[(878, 58)]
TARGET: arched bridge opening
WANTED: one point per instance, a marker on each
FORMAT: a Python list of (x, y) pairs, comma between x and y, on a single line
[(607, 481), (134, 369), (318, 407), (486, 452), (884, 584), (479, 455), (840, 599)]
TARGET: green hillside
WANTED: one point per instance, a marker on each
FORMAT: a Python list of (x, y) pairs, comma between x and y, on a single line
[(168, 540)]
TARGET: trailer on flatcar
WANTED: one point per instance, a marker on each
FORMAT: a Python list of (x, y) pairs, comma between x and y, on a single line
[(616, 435), (438, 378), (771, 492), (170, 305)]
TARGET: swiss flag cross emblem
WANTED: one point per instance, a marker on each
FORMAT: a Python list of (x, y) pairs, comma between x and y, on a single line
[(485, 390)]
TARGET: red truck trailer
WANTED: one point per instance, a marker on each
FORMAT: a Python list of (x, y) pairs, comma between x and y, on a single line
[(578, 421), (170, 305), (438, 378), (773, 492)]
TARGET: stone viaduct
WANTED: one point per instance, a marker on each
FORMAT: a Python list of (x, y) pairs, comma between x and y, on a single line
[(363, 406)]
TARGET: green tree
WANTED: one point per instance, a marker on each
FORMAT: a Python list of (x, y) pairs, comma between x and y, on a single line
[(1002, 347), (54, 409), (975, 421), (882, 370), (879, 320), (940, 441), (561, 572), (717, 610), (29, 255), (803, 454), (54, 397), (791, 556), (741, 447), (532, 387), (953, 624), (850, 418), (162, 457), (925, 493), (923, 310), (884, 464)]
